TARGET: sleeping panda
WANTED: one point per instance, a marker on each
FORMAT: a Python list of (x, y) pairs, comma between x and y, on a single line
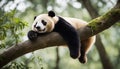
[(66, 27)]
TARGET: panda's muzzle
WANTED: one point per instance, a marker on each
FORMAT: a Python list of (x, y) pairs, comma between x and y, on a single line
[(39, 28)]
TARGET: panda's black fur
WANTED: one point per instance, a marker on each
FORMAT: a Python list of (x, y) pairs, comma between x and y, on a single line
[(70, 35)]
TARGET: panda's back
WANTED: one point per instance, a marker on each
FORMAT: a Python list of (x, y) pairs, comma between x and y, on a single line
[(76, 23)]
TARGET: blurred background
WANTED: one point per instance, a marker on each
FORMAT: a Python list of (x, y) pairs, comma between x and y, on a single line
[(16, 17)]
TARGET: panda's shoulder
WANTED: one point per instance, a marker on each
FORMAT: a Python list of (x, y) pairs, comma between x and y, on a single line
[(74, 20)]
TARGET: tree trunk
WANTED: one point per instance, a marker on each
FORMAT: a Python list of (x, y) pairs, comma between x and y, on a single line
[(99, 45), (57, 58), (103, 55)]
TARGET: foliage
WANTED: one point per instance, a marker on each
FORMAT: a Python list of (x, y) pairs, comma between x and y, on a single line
[(15, 65), (10, 26)]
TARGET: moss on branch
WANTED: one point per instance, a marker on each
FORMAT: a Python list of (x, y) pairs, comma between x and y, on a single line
[(105, 21)]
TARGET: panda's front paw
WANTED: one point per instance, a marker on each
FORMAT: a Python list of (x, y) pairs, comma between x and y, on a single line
[(32, 35)]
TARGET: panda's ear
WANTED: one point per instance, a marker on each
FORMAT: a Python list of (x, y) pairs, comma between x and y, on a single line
[(51, 13), (35, 17)]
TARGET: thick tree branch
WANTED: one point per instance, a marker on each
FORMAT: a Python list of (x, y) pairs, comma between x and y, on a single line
[(101, 23), (53, 39)]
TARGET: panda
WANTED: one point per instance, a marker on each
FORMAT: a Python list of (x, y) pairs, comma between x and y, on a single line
[(67, 28)]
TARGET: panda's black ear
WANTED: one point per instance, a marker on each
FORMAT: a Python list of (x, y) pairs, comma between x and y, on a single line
[(51, 13), (35, 17)]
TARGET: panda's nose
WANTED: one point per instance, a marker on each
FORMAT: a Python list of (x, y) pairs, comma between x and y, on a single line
[(38, 27)]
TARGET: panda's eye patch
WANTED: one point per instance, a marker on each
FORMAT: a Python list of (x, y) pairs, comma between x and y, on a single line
[(35, 24), (43, 22)]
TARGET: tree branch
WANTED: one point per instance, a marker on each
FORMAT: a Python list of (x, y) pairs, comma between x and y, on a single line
[(53, 39)]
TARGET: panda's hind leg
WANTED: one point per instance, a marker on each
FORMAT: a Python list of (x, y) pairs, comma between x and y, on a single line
[(85, 47)]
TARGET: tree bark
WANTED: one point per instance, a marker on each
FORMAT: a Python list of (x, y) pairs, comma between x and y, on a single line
[(53, 39), (99, 45)]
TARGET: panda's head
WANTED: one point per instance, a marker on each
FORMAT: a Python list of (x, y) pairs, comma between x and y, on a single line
[(44, 22)]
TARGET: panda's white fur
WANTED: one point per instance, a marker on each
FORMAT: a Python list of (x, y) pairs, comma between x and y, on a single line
[(76, 23), (50, 25)]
